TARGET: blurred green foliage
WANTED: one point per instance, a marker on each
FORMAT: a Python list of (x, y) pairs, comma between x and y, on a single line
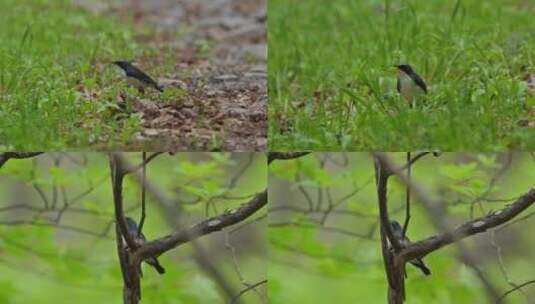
[(340, 260), (47, 262)]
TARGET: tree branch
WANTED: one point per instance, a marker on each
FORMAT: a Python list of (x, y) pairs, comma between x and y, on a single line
[(245, 290), (217, 223), (143, 193), (390, 245), (407, 197), (130, 263), (284, 155), (416, 158), (514, 289), (382, 173), (144, 163), (4, 157), (118, 172), (482, 224)]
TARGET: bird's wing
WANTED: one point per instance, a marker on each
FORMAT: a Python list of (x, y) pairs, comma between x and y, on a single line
[(419, 81), (137, 73), (399, 85)]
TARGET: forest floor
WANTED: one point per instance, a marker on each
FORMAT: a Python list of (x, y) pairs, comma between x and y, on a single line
[(219, 63), (59, 89)]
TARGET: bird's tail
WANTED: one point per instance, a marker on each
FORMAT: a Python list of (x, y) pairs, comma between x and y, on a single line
[(161, 270), (425, 270), (154, 263), (420, 265)]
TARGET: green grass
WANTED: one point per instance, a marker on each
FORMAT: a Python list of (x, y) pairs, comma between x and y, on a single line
[(57, 89), (332, 81)]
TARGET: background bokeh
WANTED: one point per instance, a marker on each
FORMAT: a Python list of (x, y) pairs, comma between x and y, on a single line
[(51, 252), (326, 247)]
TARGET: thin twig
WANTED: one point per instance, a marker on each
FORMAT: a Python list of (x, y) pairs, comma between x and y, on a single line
[(407, 197), (246, 290), (514, 289), (143, 193)]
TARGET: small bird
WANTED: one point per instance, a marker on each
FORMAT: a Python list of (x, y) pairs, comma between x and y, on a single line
[(410, 84), (132, 230), (136, 77), (398, 234)]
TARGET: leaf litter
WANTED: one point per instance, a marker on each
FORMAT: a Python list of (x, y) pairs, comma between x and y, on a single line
[(219, 64)]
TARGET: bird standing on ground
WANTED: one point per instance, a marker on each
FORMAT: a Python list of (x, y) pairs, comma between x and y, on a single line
[(132, 230), (410, 85), (136, 77), (398, 234)]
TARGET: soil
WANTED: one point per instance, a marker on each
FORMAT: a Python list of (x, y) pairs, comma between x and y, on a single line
[(218, 52)]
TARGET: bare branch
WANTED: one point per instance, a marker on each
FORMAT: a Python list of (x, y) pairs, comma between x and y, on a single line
[(304, 192), (143, 193), (482, 224), (407, 197), (415, 159), (118, 172), (514, 289), (204, 261), (382, 174), (146, 161), (4, 157), (284, 155), (245, 290), (501, 263), (217, 223)]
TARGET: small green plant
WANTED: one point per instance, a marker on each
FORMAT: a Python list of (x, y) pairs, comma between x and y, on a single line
[(173, 95)]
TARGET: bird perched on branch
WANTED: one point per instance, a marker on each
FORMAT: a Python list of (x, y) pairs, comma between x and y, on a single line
[(133, 231), (136, 77), (410, 85), (398, 234)]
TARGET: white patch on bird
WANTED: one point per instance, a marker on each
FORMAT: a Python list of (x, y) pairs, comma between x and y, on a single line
[(407, 85), (498, 212), (232, 211), (214, 223), (409, 89), (120, 71), (478, 224)]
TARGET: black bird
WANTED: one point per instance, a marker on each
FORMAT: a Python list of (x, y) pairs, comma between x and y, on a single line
[(132, 230), (136, 77), (410, 84), (398, 234)]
